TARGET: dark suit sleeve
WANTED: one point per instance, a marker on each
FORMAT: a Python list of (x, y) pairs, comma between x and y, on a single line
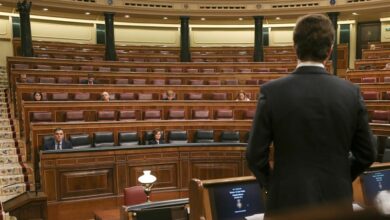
[(48, 145), (363, 148), (260, 138), (68, 144)]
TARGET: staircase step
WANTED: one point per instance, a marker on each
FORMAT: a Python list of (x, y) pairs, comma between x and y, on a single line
[(10, 180), (9, 159), (7, 143), (13, 169), (14, 190)]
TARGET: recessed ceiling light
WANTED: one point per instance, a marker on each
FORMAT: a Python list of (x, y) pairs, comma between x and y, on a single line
[(45, 9), (240, 19), (127, 16), (277, 18), (354, 13), (87, 13), (1, 4), (203, 19), (165, 18)]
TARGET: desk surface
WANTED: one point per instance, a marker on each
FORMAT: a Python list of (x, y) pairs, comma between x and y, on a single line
[(109, 214)]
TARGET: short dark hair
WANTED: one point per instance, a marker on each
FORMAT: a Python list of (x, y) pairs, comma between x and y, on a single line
[(57, 129), (313, 37)]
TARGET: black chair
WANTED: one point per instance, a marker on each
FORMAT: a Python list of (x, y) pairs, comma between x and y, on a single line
[(230, 137), (45, 139), (177, 137), (80, 141), (204, 136), (386, 156), (103, 139), (128, 139)]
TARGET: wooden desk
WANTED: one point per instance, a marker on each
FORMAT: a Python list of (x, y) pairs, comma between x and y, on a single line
[(110, 214)]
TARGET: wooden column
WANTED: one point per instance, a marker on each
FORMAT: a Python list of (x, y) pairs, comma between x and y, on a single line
[(258, 55), (25, 28), (110, 39), (333, 17), (185, 54)]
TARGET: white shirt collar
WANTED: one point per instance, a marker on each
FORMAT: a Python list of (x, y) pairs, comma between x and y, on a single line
[(310, 63)]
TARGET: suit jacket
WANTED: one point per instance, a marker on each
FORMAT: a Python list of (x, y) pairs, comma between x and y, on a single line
[(314, 121), (155, 142), (50, 144)]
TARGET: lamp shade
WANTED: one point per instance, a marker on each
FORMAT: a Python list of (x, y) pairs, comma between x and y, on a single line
[(147, 177)]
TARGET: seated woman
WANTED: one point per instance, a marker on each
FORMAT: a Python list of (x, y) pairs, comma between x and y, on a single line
[(170, 95), (242, 96), (156, 138), (37, 96), (105, 96)]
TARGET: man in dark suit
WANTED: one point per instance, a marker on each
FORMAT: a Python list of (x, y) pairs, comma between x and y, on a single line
[(58, 142), (318, 125)]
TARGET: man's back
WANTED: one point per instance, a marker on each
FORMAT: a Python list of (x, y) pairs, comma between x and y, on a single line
[(313, 118), (315, 121)]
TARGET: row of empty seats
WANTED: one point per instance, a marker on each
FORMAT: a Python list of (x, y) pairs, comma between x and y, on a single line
[(171, 114), (64, 96), (125, 81), (375, 95), (132, 138), (161, 69)]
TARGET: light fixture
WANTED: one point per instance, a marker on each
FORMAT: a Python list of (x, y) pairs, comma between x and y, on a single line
[(147, 180), (87, 13), (277, 18), (354, 13), (45, 9), (240, 19), (165, 18), (203, 19), (1, 4), (127, 16)]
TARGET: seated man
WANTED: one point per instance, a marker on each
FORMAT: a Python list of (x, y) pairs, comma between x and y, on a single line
[(57, 142)]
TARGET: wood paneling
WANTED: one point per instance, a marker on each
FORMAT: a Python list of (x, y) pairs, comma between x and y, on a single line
[(80, 184)]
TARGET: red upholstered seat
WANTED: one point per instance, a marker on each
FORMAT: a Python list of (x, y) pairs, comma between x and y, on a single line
[(214, 82), (134, 195), (261, 70), (227, 70), (380, 116), (281, 70), (174, 81), (47, 80), (74, 116), (60, 96), (139, 81), (66, 67), (194, 96), (86, 68), (192, 70), (176, 70), (248, 114), (20, 66), (104, 115), (158, 81), (251, 82), (124, 69), (41, 117), (209, 70), (145, 96), (369, 80), (200, 114), (44, 67), (122, 81), (127, 115), (152, 115), (65, 80), (370, 95), (176, 114), (127, 96), (159, 70), (104, 69), (218, 96), (224, 114), (196, 82), (244, 70), (82, 96), (231, 82)]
